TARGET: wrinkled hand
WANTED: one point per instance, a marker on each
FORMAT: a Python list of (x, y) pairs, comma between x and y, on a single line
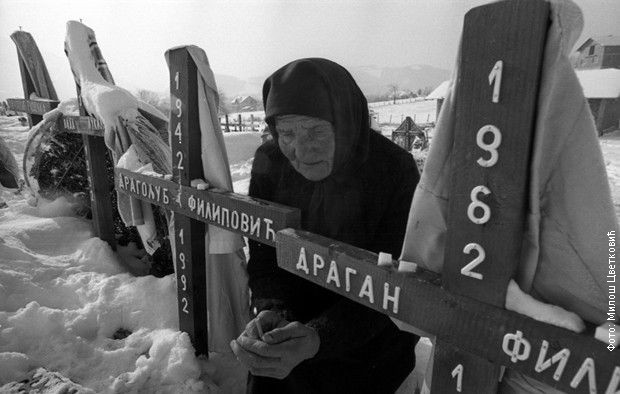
[(283, 346)]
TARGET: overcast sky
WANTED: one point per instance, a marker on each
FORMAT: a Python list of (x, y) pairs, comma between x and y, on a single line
[(248, 38)]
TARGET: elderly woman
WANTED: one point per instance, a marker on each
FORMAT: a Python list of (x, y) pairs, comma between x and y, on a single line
[(351, 184)]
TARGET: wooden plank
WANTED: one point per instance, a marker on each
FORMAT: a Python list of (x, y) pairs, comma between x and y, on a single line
[(39, 78), (460, 371), (34, 74), (95, 153), (499, 72), (486, 331), (32, 107), (80, 125), (512, 32), (187, 165), (254, 218)]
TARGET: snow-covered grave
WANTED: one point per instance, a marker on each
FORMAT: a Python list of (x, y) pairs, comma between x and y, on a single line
[(476, 335)]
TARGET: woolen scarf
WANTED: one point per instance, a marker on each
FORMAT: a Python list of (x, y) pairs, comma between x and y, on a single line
[(323, 89)]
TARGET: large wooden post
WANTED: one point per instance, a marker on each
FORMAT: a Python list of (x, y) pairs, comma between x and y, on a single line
[(95, 153), (187, 165), (501, 58), (34, 74)]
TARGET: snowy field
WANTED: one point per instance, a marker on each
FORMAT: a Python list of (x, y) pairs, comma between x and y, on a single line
[(387, 115), (68, 303), (392, 115), (610, 144)]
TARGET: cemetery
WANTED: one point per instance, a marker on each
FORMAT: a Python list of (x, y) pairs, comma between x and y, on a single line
[(463, 306)]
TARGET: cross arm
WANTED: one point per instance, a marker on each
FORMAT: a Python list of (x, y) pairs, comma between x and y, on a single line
[(490, 332), (254, 218), (32, 107)]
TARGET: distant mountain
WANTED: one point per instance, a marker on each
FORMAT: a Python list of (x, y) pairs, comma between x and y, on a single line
[(371, 79), (375, 80), (233, 86)]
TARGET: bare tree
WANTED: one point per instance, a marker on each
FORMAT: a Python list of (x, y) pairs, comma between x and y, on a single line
[(224, 107), (157, 100), (394, 91)]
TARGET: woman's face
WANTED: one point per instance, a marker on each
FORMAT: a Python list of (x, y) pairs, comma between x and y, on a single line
[(309, 144)]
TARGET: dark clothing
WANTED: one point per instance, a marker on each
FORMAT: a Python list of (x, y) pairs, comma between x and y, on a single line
[(364, 202), (361, 350)]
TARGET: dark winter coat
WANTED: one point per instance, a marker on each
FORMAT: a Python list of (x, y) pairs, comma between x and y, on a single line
[(364, 202)]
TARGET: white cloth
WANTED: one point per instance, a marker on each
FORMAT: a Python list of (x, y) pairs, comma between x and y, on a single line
[(564, 252), (130, 160), (227, 282)]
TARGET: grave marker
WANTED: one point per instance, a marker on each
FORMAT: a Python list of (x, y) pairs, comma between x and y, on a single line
[(474, 331), (499, 72), (189, 234)]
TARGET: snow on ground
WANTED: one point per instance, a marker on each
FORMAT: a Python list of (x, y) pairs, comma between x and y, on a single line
[(610, 145), (240, 147), (423, 111), (67, 303)]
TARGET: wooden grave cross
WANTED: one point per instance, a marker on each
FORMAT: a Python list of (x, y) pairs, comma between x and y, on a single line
[(497, 86), (192, 208), (500, 70), (36, 80)]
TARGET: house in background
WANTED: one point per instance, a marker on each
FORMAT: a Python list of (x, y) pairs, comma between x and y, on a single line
[(602, 89), (439, 94), (244, 104), (598, 52), (598, 68)]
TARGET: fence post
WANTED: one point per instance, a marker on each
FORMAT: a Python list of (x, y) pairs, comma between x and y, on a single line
[(240, 124), (251, 122), (227, 124)]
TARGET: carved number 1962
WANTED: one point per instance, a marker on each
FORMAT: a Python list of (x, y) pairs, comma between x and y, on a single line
[(476, 206)]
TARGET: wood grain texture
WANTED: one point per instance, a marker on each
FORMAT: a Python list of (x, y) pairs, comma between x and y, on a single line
[(512, 31), (86, 125), (187, 165), (95, 153), (504, 39), (34, 74), (32, 107), (470, 325), (251, 217), (475, 372)]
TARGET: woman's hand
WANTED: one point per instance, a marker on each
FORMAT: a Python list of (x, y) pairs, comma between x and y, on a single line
[(283, 346)]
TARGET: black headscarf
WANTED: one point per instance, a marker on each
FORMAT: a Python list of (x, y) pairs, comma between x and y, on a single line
[(323, 89)]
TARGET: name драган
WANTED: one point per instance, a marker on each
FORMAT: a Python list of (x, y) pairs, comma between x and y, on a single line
[(343, 280)]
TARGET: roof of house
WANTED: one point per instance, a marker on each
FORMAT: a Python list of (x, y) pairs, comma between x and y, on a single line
[(440, 91), (241, 99), (600, 83), (606, 41)]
